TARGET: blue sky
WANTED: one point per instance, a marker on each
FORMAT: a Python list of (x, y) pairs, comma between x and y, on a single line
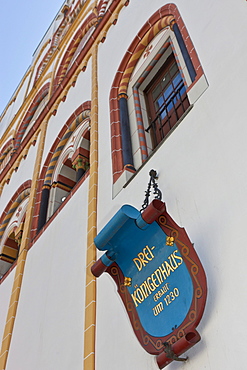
[(22, 26)]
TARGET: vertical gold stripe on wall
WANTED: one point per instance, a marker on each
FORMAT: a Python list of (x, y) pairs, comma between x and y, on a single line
[(19, 270), (90, 289)]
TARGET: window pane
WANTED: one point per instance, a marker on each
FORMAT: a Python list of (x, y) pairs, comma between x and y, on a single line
[(170, 105), (168, 92), (182, 91), (156, 92), (177, 79), (173, 69), (163, 115), (159, 103), (165, 81)]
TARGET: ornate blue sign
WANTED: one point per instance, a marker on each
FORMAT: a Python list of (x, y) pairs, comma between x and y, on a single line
[(159, 276)]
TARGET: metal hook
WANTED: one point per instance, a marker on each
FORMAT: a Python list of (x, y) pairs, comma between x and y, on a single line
[(170, 354), (156, 190)]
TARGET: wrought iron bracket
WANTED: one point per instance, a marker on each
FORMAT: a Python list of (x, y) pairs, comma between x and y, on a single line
[(156, 190), (170, 354)]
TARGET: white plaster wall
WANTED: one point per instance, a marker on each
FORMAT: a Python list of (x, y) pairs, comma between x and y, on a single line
[(14, 107), (5, 118), (21, 94), (49, 323), (5, 293), (202, 177)]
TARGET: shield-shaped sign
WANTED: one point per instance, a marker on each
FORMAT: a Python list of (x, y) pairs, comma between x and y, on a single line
[(159, 277)]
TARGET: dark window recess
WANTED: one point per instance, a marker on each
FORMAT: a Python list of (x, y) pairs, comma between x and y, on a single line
[(167, 100), (8, 254)]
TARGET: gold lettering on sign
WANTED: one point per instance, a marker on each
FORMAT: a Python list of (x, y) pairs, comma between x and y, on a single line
[(158, 309), (161, 292), (154, 281), (169, 298), (143, 258)]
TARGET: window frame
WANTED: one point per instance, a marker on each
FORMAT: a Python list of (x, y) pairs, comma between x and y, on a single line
[(163, 45), (128, 86), (166, 101)]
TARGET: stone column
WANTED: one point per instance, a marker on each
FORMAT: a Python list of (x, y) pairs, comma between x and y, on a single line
[(184, 51), (81, 165)]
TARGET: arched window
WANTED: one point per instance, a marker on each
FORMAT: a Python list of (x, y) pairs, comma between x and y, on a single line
[(72, 164), (41, 104), (62, 23), (79, 40), (33, 111), (80, 46), (67, 164), (11, 227), (157, 83), (6, 153)]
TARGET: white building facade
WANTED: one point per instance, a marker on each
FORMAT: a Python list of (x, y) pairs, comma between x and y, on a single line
[(117, 88)]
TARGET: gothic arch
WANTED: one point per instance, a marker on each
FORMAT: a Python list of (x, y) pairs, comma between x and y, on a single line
[(60, 143), (92, 20), (11, 226), (69, 15), (85, 27), (81, 114), (5, 153), (30, 113)]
